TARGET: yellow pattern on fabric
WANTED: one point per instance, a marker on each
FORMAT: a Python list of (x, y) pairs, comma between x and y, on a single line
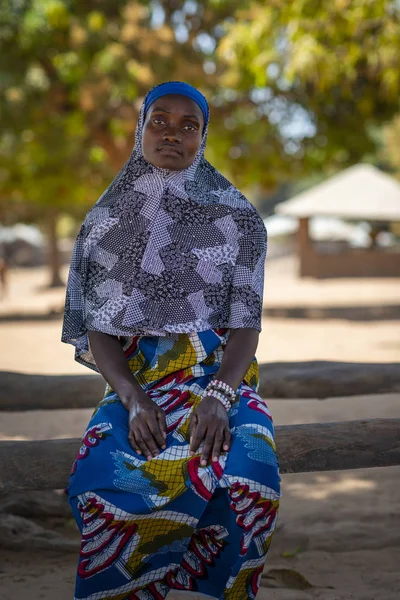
[(178, 357), (116, 597), (170, 473), (267, 542), (266, 439), (151, 529), (210, 360), (183, 428), (136, 365), (240, 587), (181, 356), (252, 375)]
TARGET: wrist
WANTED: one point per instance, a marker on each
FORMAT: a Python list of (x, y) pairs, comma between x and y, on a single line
[(130, 399), (230, 380), (218, 397), (128, 390), (222, 387)]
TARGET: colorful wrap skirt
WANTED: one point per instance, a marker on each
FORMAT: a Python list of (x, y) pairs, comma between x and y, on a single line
[(148, 527)]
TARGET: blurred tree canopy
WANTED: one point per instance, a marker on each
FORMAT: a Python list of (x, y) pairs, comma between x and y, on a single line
[(391, 144), (329, 71), (72, 77), (295, 88)]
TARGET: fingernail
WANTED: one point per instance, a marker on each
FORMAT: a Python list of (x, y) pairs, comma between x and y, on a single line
[(163, 447), (138, 452), (215, 458), (191, 453), (149, 457), (165, 435), (203, 463), (226, 447)]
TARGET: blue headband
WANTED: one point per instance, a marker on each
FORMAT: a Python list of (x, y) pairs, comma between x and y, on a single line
[(181, 88)]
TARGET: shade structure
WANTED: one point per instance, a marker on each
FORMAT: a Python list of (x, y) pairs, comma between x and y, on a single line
[(361, 192)]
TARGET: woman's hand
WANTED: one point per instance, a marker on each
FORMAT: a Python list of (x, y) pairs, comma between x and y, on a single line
[(209, 422), (147, 426)]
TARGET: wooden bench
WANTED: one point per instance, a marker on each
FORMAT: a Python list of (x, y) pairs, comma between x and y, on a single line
[(45, 464), (313, 379)]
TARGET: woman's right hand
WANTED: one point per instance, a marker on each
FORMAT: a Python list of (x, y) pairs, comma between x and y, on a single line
[(147, 426)]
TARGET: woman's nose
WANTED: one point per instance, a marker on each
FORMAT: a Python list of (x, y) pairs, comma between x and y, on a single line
[(172, 134)]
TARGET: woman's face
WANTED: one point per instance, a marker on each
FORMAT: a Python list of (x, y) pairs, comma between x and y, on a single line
[(172, 132)]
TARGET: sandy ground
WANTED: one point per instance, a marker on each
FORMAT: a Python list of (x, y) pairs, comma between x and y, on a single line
[(340, 530)]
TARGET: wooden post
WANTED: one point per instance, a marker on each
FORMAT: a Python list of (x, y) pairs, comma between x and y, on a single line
[(46, 464), (304, 244)]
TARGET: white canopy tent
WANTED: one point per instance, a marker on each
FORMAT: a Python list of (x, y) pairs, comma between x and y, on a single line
[(362, 192)]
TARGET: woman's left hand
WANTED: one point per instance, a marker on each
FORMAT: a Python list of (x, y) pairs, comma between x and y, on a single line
[(209, 423)]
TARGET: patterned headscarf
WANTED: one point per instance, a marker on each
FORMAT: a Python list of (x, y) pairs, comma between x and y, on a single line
[(165, 252)]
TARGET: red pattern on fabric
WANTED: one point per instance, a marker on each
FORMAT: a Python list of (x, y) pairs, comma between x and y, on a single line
[(90, 512), (91, 438), (262, 513)]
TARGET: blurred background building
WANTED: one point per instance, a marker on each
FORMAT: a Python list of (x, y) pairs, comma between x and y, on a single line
[(347, 225)]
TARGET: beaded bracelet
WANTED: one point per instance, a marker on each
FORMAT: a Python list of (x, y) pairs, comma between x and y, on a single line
[(221, 397), (223, 387)]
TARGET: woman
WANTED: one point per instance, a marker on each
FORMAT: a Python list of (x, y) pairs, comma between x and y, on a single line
[(176, 484)]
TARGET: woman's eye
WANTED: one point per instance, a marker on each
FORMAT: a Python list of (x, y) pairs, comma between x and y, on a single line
[(158, 121), (190, 127)]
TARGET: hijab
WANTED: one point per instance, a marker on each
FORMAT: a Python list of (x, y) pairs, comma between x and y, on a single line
[(165, 252)]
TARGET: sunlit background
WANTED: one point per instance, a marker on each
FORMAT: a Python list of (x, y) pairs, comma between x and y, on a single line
[(305, 120)]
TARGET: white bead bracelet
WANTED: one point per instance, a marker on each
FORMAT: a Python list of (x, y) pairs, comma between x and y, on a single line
[(219, 396), (223, 387)]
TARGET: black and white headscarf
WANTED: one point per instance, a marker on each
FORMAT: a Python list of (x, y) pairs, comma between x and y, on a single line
[(165, 252)]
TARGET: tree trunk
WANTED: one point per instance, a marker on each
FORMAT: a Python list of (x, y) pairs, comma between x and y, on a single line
[(53, 253), (45, 464), (315, 379)]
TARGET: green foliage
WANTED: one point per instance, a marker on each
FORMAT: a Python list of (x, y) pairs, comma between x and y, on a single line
[(71, 84), (391, 144), (333, 62), (295, 87)]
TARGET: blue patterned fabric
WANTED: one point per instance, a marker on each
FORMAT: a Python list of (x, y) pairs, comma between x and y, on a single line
[(168, 523)]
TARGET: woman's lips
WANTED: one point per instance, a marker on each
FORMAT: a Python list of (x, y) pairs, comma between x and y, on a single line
[(170, 151)]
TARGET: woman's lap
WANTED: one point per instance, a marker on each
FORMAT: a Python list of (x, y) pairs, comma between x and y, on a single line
[(106, 448), (186, 526)]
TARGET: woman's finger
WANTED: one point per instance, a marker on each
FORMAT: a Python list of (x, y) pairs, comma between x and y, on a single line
[(208, 444), (193, 423), (133, 442), (141, 442), (227, 440), (148, 431), (217, 446), (198, 434), (153, 433), (192, 429), (162, 428)]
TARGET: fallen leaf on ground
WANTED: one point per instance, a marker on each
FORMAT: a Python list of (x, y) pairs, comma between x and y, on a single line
[(291, 554), (285, 578)]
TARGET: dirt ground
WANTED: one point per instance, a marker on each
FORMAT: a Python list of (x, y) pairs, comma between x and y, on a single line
[(340, 530)]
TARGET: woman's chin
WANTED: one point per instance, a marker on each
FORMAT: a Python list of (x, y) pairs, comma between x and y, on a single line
[(172, 162)]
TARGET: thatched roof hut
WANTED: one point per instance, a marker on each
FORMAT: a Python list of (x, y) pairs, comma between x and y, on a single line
[(360, 193)]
